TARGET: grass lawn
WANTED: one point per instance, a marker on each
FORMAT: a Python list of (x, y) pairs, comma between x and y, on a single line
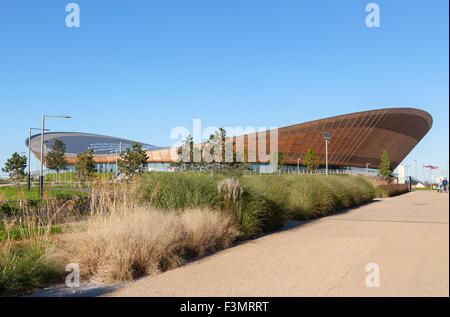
[(16, 193)]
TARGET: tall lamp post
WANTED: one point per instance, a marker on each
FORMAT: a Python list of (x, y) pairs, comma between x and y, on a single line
[(327, 137), (41, 179), (417, 176), (407, 177), (29, 157)]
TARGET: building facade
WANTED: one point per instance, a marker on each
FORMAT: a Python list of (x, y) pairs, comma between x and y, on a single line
[(357, 141)]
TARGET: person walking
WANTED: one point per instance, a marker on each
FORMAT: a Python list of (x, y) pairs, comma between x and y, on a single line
[(444, 185)]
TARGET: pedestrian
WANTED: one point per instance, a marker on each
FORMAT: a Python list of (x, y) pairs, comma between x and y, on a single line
[(444, 184)]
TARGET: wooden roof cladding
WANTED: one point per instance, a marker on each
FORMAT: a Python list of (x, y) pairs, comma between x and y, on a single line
[(356, 138)]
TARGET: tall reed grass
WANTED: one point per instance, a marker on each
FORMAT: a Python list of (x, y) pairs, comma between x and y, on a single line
[(391, 190), (303, 197), (27, 266), (122, 241), (179, 191), (259, 203), (28, 257)]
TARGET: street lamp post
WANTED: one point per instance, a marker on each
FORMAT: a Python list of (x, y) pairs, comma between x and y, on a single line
[(117, 163), (29, 157), (327, 137), (417, 176), (41, 179), (407, 177), (117, 160)]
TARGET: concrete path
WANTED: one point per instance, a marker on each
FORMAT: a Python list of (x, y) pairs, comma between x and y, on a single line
[(406, 236)]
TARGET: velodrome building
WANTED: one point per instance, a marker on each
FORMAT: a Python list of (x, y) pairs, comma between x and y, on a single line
[(357, 141)]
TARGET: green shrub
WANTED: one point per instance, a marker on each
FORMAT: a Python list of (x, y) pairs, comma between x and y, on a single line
[(181, 191), (264, 202), (305, 197), (26, 267), (178, 190), (25, 232), (391, 190)]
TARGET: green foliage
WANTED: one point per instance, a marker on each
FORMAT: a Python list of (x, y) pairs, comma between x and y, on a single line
[(173, 191), (310, 160), (20, 192), (384, 169), (132, 160), (259, 203), (24, 232), (186, 156), (278, 158), (85, 164), (212, 155), (55, 159), (303, 197), (26, 267), (15, 166), (391, 190), (180, 191)]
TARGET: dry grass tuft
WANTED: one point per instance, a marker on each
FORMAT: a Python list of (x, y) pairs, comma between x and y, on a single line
[(391, 190), (126, 244)]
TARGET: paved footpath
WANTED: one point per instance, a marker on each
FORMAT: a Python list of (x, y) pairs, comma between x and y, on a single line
[(406, 236)]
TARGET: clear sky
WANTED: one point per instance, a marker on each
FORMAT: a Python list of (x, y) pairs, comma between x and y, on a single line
[(137, 69)]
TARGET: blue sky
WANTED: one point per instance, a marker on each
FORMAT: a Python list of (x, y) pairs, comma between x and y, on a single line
[(136, 69)]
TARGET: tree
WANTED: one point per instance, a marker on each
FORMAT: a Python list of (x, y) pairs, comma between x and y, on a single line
[(310, 160), (15, 166), (218, 142), (280, 160), (186, 150), (55, 159), (384, 169), (132, 160), (213, 155), (85, 164)]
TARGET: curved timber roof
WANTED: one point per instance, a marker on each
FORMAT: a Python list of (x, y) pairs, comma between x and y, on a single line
[(356, 139)]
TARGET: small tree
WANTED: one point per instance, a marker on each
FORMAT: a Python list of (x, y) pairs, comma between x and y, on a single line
[(280, 160), (55, 159), (15, 166), (85, 164), (132, 160), (213, 155), (186, 152), (384, 169), (310, 160)]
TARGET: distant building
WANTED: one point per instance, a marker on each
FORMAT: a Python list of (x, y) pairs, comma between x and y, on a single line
[(357, 141)]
